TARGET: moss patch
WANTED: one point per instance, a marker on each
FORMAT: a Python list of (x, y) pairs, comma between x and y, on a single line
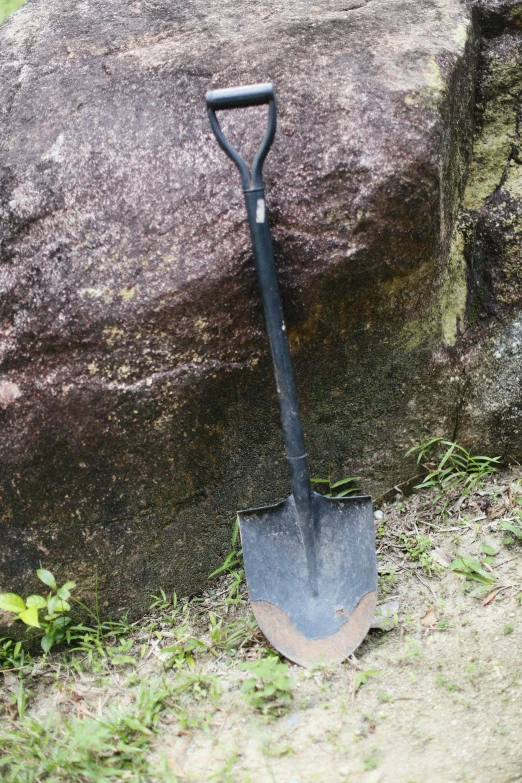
[(455, 291), (498, 132), (486, 240)]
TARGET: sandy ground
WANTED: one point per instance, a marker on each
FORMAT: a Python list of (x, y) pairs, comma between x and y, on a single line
[(441, 700), (445, 705)]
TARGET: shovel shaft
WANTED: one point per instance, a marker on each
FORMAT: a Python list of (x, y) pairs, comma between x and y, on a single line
[(271, 300), (278, 341), (284, 376), (275, 325)]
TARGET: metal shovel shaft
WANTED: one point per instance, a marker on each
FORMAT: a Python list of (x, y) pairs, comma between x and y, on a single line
[(271, 301), (284, 377)]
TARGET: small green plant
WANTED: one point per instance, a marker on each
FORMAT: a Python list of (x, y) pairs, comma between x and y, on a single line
[(225, 773), (412, 648), (444, 682), (361, 677), (119, 654), (472, 570), (418, 548), (509, 628), (183, 651), (233, 566), (215, 630), (12, 654), (18, 699), (270, 688), (514, 528), (190, 687), (106, 643), (450, 466), (371, 759), (270, 750), (387, 579), (196, 685), (54, 604), (231, 636), (163, 604), (338, 489)]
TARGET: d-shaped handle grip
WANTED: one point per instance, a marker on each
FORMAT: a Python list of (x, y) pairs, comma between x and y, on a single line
[(239, 97), (242, 97)]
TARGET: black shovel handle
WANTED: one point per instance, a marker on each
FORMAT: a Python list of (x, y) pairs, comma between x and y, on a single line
[(237, 97), (240, 97)]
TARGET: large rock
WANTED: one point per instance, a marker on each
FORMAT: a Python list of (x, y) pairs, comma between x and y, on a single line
[(136, 399), (487, 244)]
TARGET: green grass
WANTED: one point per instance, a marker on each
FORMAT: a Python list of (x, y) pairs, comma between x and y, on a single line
[(450, 467), (112, 745), (8, 6), (106, 748)]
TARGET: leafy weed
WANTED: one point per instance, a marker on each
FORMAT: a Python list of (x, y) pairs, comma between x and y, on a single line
[(338, 489), (54, 605), (233, 566), (270, 688), (450, 466)]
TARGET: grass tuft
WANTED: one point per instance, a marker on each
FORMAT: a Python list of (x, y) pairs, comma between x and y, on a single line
[(8, 6)]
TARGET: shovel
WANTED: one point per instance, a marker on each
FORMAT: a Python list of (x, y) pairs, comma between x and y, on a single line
[(310, 561)]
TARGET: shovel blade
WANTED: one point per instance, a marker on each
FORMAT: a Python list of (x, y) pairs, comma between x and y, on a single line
[(307, 626)]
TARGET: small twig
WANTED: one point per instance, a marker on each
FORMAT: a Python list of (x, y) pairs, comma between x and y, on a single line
[(215, 739), (87, 712), (488, 567), (150, 652), (355, 663), (397, 487), (426, 585), (497, 565), (491, 597), (222, 725)]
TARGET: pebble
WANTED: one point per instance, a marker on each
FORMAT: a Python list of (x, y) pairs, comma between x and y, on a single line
[(293, 720)]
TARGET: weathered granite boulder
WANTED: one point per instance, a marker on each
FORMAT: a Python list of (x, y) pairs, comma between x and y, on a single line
[(136, 401), (486, 252)]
